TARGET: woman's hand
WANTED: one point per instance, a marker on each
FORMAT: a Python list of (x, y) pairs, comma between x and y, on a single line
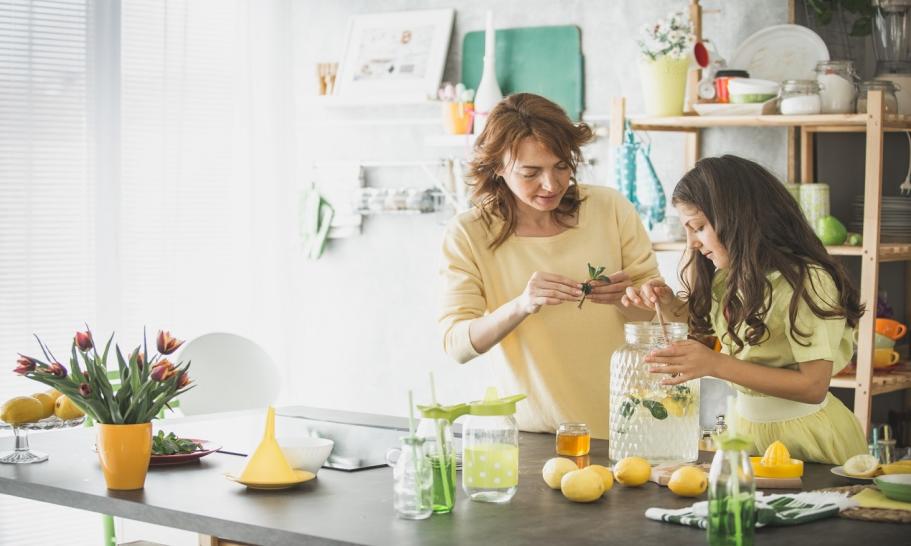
[(610, 292), (548, 289), (655, 290), (684, 360)]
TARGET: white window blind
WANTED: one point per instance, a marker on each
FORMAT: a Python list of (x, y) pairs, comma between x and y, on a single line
[(46, 217)]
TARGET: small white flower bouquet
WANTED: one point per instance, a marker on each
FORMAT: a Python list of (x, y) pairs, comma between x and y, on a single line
[(672, 37)]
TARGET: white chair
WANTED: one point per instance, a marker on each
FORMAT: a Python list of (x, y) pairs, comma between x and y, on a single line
[(231, 373)]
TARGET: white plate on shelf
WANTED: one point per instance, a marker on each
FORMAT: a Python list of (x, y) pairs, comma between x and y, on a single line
[(781, 52), (840, 471), (731, 109)]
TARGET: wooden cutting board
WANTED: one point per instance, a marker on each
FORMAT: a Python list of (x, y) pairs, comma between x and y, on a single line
[(662, 474), (543, 60)]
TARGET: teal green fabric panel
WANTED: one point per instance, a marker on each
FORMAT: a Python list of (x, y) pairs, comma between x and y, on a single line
[(543, 60)]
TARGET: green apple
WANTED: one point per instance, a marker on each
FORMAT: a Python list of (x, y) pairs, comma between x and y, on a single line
[(855, 239), (831, 231)]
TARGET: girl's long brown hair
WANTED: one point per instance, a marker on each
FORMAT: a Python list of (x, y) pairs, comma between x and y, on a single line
[(763, 229), (516, 117)]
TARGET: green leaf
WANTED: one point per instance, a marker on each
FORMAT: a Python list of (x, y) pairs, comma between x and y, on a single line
[(629, 407), (586, 288), (598, 272), (591, 271), (604, 278), (657, 409)]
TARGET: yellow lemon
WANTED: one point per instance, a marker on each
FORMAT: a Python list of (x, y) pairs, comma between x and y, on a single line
[(55, 394), (555, 469), (21, 409), (777, 453), (863, 465), (688, 481), (673, 407), (65, 409), (632, 471), (897, 468), (47, 402), (607, 477), (582, 485)]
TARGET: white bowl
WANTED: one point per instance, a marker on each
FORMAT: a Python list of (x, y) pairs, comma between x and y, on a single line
[(750, 86), (306, 453)]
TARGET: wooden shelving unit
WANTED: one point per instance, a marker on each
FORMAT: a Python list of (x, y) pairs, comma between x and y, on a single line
[(875, 123)]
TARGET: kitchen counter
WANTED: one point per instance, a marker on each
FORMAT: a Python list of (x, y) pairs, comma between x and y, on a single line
[(356, 507)]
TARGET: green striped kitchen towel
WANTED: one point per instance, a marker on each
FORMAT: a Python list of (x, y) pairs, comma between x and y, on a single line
[(788, 509)]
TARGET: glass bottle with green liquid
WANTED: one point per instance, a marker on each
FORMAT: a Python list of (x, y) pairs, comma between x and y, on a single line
[(732, 492), (490, 457), (435, 427)]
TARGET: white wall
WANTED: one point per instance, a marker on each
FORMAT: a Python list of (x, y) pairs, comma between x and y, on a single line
[(363, 326)]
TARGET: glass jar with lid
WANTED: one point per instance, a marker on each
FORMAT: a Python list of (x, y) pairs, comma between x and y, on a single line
[(799, 98), (573, 439), (890, 102), (659, 423), (837, 89), (490, 454)]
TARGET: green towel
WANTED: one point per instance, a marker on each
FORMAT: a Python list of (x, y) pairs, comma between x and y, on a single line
[(770, 509)]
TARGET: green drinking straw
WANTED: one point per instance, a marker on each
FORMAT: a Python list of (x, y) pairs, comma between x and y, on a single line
[(414, 451), (439, 434)]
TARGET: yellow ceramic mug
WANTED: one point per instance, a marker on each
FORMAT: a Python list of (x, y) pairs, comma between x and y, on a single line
[(883, 358), (891, 328)]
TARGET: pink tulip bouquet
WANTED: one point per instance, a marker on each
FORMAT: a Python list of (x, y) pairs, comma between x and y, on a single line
[(141, 387)]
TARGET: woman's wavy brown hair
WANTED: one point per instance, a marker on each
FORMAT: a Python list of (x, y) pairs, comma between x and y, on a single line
[(763, 229), (516, 117)]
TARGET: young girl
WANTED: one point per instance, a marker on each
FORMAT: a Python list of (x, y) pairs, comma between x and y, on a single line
[(760, 280)]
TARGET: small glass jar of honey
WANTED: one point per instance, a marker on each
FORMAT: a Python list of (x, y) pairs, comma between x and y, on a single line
[(573, 439)]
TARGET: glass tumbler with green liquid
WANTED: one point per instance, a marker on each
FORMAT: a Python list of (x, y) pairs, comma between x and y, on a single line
[(436, 430), (732, 494)]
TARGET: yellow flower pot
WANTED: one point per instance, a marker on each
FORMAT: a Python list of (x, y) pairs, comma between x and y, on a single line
[(124, 452), (664, 85)]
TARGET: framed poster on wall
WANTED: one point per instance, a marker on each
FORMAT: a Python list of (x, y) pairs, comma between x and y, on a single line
[(395, 54)]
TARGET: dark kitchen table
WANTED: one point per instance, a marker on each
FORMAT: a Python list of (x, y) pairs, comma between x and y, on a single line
[(356, 507)]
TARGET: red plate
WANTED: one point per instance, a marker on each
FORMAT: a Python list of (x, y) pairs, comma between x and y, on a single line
[(182, 458)]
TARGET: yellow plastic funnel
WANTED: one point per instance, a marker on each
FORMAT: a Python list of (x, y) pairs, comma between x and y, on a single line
[(268, 464)]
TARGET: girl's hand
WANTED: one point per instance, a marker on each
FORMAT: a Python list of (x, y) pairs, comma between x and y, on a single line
[(548, 289), (655, 290), (684, 360), (612, 292)]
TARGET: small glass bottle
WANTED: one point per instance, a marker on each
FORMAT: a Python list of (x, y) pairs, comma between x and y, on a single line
[(799, 98), (490, 459), (890, 102), (436, 431), (573, 439), (412, 495), (837, 89), (732, 494)]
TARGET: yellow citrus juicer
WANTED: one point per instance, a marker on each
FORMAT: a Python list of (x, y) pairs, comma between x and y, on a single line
[(268, 466), (777, 463)]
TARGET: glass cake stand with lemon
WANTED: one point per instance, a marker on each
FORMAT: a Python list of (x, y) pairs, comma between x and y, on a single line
[(40, 411)]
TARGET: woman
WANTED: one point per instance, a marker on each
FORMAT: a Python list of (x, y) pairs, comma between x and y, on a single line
[(514, 266)]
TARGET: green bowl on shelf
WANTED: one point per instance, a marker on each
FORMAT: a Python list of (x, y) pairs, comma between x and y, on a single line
[(895, 486)]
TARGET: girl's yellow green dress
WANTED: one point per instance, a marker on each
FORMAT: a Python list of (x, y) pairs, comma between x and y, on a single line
[(823, 433)]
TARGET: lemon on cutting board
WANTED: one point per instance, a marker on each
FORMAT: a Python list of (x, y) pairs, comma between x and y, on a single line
[(554, 470), (632, 471), (862, 466), (20, 410), (688, 481)]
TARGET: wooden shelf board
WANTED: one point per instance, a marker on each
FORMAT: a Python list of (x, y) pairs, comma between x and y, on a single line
[(827, 122), (881, 383), (888, 252)]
